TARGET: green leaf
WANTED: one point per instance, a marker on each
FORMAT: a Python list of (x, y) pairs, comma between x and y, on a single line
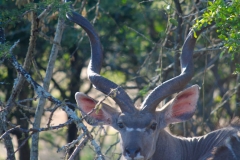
[(210, 3), (195, 34), (173, 21)]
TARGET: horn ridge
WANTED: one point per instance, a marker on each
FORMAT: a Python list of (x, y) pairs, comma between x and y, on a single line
[(177, 83), (102, 84)]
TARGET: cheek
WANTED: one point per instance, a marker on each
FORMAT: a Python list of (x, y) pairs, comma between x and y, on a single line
[(122, 136), (149, 143)]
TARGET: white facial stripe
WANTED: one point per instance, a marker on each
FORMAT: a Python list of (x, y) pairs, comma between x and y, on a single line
[(138, 157), (141, 129), (129, 129), (137, 129)]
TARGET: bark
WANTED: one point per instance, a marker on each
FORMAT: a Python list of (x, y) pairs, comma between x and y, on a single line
[(46, 82)]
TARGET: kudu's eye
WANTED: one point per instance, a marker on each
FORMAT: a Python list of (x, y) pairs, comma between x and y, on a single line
[(153, 126), (120, 124)]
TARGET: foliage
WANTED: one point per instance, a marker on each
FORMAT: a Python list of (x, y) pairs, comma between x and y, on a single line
[(13, 16), (141, 44), (4, 49), (226, 16)]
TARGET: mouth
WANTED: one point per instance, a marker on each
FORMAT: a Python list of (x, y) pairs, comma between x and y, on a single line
[(138, 157)]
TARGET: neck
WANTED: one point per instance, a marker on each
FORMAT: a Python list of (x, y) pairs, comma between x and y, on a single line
[(181, 148), (171, 147)]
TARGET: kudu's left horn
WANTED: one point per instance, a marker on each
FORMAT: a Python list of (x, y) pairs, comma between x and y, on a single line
[(177, 83)]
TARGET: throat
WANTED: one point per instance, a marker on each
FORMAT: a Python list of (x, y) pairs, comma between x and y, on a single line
[(168, 146)]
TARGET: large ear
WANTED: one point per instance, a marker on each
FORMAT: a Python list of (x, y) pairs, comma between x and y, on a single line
[(183, 106), (104, 115)]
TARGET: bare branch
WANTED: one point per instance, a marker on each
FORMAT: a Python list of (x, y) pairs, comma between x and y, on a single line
[(45, 95), (46, 82)]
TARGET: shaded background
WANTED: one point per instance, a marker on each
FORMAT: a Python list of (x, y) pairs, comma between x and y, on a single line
[(141, 41)]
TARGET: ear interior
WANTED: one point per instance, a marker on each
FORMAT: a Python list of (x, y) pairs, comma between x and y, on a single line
[(87, 104), (102, 115), (183, 106)]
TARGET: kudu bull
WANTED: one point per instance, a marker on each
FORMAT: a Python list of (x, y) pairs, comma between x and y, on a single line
[(142, 130)]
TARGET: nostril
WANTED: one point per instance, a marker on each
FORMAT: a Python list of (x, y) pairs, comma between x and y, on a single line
[(137, 151), (132, 152)]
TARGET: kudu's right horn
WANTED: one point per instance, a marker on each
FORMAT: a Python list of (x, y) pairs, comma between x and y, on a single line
[(102, 84)]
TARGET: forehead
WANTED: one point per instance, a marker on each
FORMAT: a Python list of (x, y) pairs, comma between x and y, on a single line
[(137, 119)]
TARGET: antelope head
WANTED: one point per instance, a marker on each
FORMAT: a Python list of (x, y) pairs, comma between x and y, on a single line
[(140, 129)]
